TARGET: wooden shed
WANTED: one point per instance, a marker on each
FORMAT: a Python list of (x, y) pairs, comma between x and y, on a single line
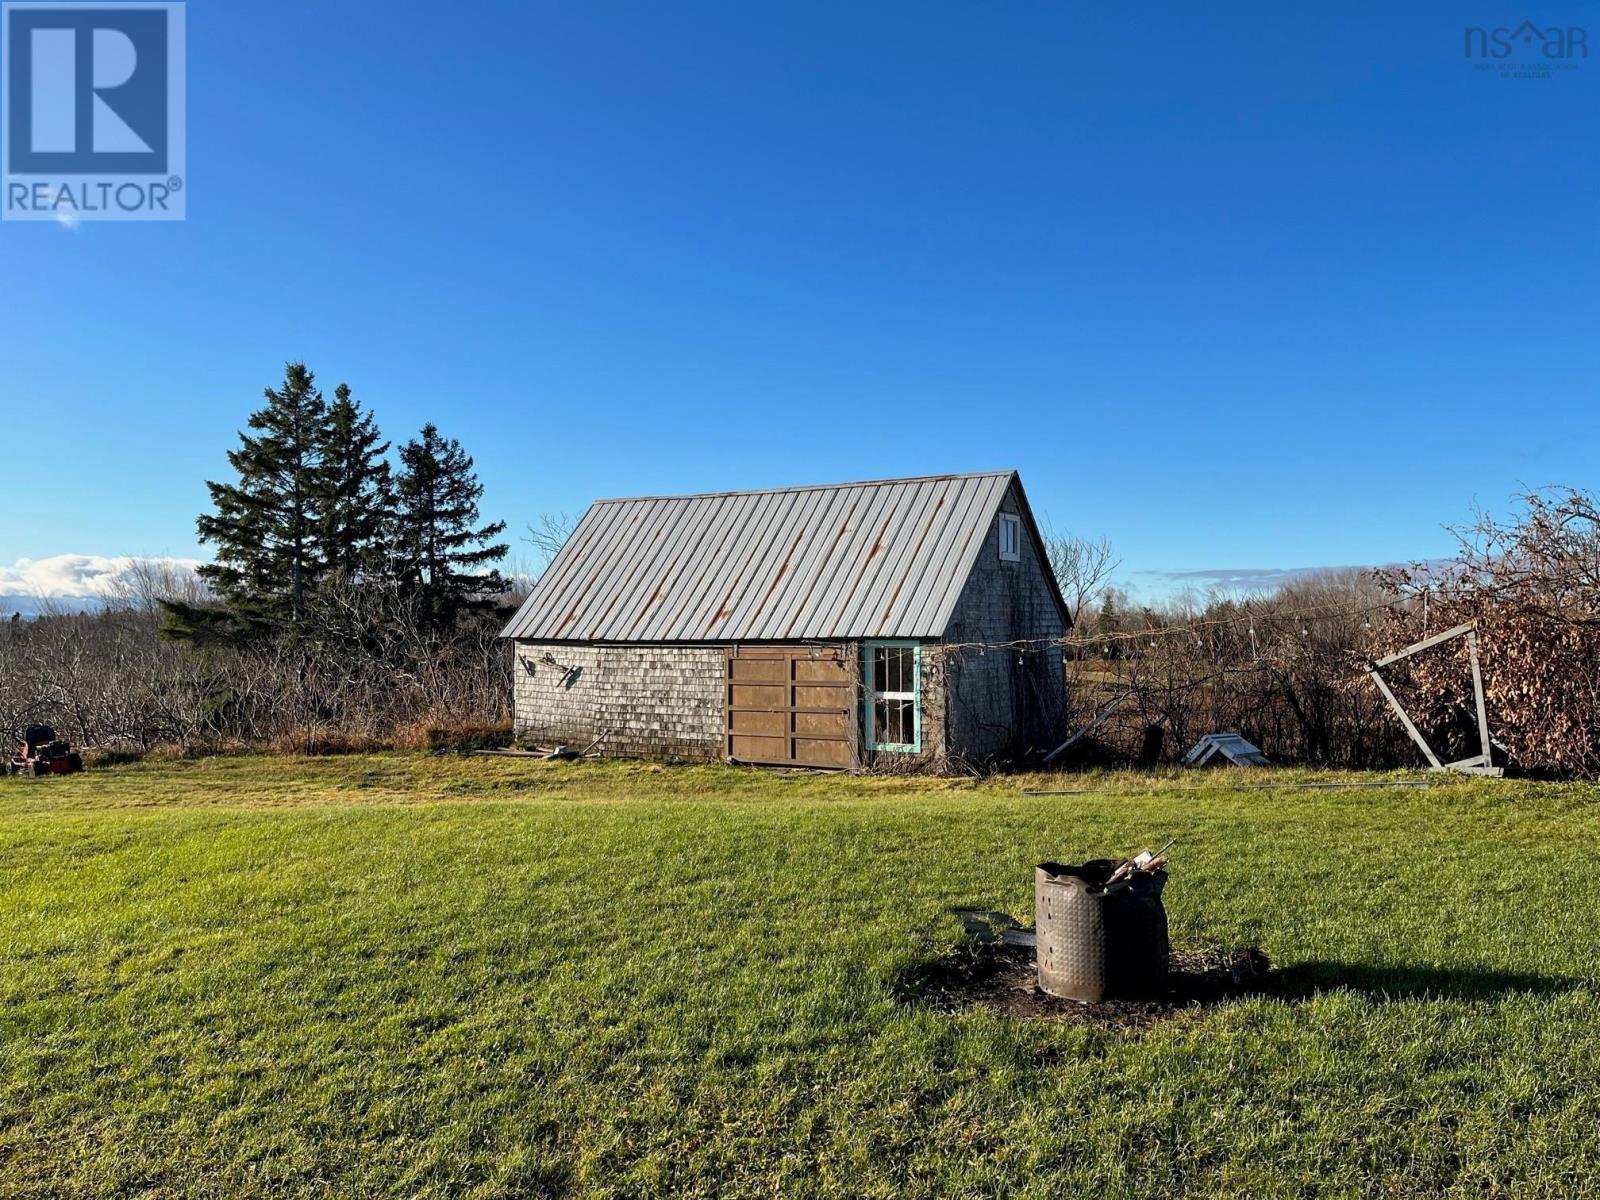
[(912, 621)]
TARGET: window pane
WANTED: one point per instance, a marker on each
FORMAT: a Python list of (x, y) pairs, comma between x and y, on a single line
[(892, 702), (1010, 536)]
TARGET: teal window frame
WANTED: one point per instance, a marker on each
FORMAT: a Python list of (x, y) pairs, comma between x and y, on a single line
[(871, 696)]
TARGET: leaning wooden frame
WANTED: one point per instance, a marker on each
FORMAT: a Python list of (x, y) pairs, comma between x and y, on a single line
[(1478, 764)]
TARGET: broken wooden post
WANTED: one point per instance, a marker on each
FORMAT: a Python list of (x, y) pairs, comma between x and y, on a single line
[(1480, 764), (1093, 724)]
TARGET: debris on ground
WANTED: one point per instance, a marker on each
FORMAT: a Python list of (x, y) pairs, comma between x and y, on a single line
[(559, 751), (1000, 977), (988, 928), (1232, 747)]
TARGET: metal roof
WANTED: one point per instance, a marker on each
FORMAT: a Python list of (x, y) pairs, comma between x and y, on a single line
[(881, 559)]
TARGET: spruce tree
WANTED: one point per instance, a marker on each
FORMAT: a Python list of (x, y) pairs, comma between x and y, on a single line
[(440, 551), (355, 490), (1108, 623), (265, 527)]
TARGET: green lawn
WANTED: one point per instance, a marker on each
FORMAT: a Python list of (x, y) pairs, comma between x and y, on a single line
[(400, 975)]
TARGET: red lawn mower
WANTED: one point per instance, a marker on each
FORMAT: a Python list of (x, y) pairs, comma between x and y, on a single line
[(43, 753)]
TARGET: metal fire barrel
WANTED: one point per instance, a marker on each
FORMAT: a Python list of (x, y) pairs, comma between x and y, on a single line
[(1095, 945)]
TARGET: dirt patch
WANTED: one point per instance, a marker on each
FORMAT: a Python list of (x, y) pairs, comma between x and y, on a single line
[(1001, 978)]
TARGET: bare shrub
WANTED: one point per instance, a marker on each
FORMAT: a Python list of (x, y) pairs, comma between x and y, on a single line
[(1285, 670), (364, 671), (1531, 583), (1082, 567), (548, 534)]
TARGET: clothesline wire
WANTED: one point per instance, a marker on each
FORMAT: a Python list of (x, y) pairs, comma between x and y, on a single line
[(1270, 619)]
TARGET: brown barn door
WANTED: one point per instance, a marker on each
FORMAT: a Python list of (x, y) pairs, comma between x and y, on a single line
[(790, 706)]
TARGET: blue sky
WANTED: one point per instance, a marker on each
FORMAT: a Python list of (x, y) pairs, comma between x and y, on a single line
[(1236, 286)]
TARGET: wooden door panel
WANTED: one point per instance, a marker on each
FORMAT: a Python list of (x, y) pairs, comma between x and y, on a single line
[(758, 670), (821, 754), (770, 724), (791, 706), (827, 725), (759, 695), (821, 670)]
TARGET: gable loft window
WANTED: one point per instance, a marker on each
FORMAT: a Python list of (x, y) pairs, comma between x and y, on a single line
[(1010, 537), (893, 675)]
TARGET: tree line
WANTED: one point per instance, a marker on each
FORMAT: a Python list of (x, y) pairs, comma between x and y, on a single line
[(315, 504)]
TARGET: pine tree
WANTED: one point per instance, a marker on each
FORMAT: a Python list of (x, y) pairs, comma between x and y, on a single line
[(355, 490), (438, 551), (1108, 623), (265, 527)]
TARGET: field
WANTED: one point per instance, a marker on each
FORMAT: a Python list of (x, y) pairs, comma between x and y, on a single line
[(402, 975)]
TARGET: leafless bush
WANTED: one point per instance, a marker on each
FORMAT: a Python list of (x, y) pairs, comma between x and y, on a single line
[(1082, 568), (366, 670), (1285, 670), (145, 582), (1531, 584), (549, 533)]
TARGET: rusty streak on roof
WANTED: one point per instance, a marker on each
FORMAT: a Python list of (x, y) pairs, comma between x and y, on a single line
[(881, 559)]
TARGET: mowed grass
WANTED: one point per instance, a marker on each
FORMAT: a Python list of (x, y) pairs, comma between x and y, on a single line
[(410, 976)]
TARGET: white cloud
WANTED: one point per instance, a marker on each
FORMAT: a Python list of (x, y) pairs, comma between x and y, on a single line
[(1241, 579), (78, 576)]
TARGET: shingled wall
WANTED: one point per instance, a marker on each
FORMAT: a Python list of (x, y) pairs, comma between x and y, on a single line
[(1004, 700), (651, 701)]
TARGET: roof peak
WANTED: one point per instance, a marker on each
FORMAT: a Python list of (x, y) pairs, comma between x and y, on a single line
[(813, 487)]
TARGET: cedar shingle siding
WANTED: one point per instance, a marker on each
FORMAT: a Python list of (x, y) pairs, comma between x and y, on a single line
[(912, 560), (652, 701), (1005, 701)]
